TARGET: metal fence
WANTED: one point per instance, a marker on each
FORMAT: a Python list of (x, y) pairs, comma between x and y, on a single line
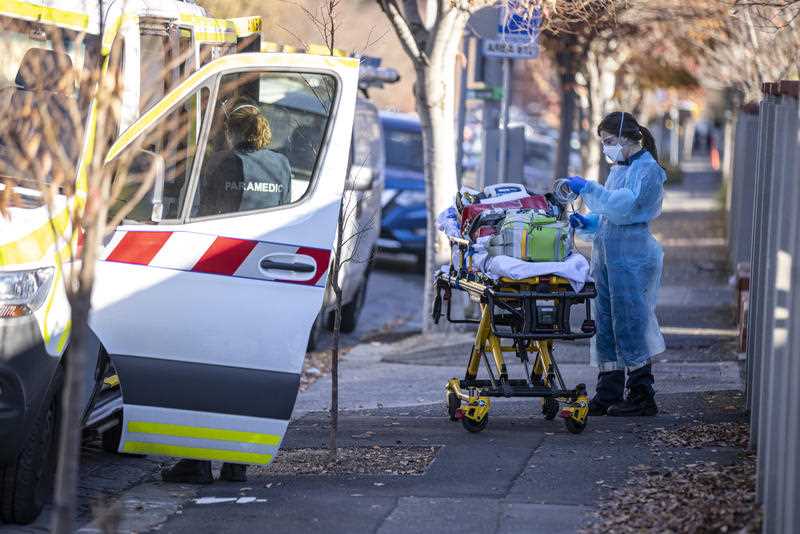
[(764, 210)]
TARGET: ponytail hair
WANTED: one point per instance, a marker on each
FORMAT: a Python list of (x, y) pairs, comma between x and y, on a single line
[(630, 129), (649, 142)]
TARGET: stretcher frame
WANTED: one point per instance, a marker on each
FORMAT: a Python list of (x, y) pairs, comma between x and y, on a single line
[(510, 314)]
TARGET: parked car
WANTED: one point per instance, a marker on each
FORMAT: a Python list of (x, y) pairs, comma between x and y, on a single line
[(404, 223), (539, 163), (363, 191)]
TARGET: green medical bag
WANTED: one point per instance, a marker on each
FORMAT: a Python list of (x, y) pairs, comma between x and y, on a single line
[(531, 236)]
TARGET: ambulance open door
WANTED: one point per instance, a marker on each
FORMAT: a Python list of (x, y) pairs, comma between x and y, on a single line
[(206, 293)]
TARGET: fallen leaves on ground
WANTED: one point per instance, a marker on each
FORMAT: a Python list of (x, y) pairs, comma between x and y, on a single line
[(375, 460), (316, 365), (704, 435), (699, 498)]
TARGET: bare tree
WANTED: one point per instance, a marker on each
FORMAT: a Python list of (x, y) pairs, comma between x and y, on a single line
[(350, 229), (433, 46)]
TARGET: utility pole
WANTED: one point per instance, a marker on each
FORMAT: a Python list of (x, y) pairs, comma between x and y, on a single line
[(502, 163)]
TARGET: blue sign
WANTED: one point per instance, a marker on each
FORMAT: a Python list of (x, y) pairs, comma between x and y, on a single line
[(518, 22)]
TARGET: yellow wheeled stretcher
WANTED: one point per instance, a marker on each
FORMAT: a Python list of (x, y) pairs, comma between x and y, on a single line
[(523, 318)]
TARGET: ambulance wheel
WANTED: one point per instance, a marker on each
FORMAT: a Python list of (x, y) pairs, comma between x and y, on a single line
[(573, 426), (110, 438), (26, 482), (453, 404), (550, 408), (473, 426)]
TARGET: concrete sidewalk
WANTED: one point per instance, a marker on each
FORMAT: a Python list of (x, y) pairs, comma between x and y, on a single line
[(521, 474)]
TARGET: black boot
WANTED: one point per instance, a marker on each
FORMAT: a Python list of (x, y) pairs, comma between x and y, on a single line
[(641, 395), (189, 472), (610, 389), (233, 472)]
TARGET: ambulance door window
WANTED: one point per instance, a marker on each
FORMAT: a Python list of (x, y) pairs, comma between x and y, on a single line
[(266, 138), (173, 141)]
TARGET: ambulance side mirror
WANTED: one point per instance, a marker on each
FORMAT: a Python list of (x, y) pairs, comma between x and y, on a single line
[(145, 162), (360, 178)]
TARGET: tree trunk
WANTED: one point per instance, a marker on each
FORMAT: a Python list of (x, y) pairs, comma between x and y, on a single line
[(435, 99), (337, 326), (69, 441), (566, 126), (336, 267)]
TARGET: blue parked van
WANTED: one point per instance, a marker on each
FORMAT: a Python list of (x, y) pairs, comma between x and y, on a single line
[(404, 221)]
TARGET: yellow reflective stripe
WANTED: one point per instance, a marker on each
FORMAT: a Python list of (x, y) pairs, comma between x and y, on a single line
[(245, 26), (197, 453), (62, 341), (210, 30), (35, 245), (184, 431), (60, 17), (111, 381), (323, 50), (50, 299), (112, 30)]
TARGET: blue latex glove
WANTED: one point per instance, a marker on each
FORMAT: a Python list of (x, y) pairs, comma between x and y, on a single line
[(576, 220), (576, 183)]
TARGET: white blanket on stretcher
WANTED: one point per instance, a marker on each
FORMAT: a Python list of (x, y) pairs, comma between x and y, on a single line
[(575, 268)]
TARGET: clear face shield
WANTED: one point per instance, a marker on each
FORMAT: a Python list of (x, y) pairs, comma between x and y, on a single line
[(612, 145)]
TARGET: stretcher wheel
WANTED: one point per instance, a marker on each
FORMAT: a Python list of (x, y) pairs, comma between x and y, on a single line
[(453, 404), (573, 426), (475, 427), (550, 408)]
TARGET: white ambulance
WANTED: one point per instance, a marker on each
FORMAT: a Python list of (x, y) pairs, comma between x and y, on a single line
[(206, 293)]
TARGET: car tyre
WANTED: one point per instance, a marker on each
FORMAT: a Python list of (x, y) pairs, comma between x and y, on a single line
[(314, 334), (26, 483), (352, 310)]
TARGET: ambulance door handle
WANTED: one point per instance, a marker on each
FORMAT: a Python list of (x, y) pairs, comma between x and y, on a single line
[(268, 264)]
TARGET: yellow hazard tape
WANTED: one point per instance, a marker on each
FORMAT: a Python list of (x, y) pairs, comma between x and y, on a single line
[(59, 17), (184, 431), (197, 453)]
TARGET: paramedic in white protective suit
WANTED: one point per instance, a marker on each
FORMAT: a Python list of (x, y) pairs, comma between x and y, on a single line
[(626, 266)]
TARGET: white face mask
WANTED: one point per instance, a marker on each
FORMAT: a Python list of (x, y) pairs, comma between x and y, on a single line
[(613, 152)]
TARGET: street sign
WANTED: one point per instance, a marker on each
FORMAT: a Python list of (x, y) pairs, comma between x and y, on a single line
[(485, 93), (519, 22), (511, 50), (517, 32)]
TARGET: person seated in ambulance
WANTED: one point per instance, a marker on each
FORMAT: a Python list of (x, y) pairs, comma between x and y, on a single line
[(245, 175)]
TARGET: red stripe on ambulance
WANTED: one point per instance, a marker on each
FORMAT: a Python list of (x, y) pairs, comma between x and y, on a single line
[(225, 256), (138, 247), (321, 257)]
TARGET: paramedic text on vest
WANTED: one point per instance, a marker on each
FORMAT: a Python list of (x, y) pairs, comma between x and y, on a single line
[(246, 175), (266, 177), (626, 265)]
